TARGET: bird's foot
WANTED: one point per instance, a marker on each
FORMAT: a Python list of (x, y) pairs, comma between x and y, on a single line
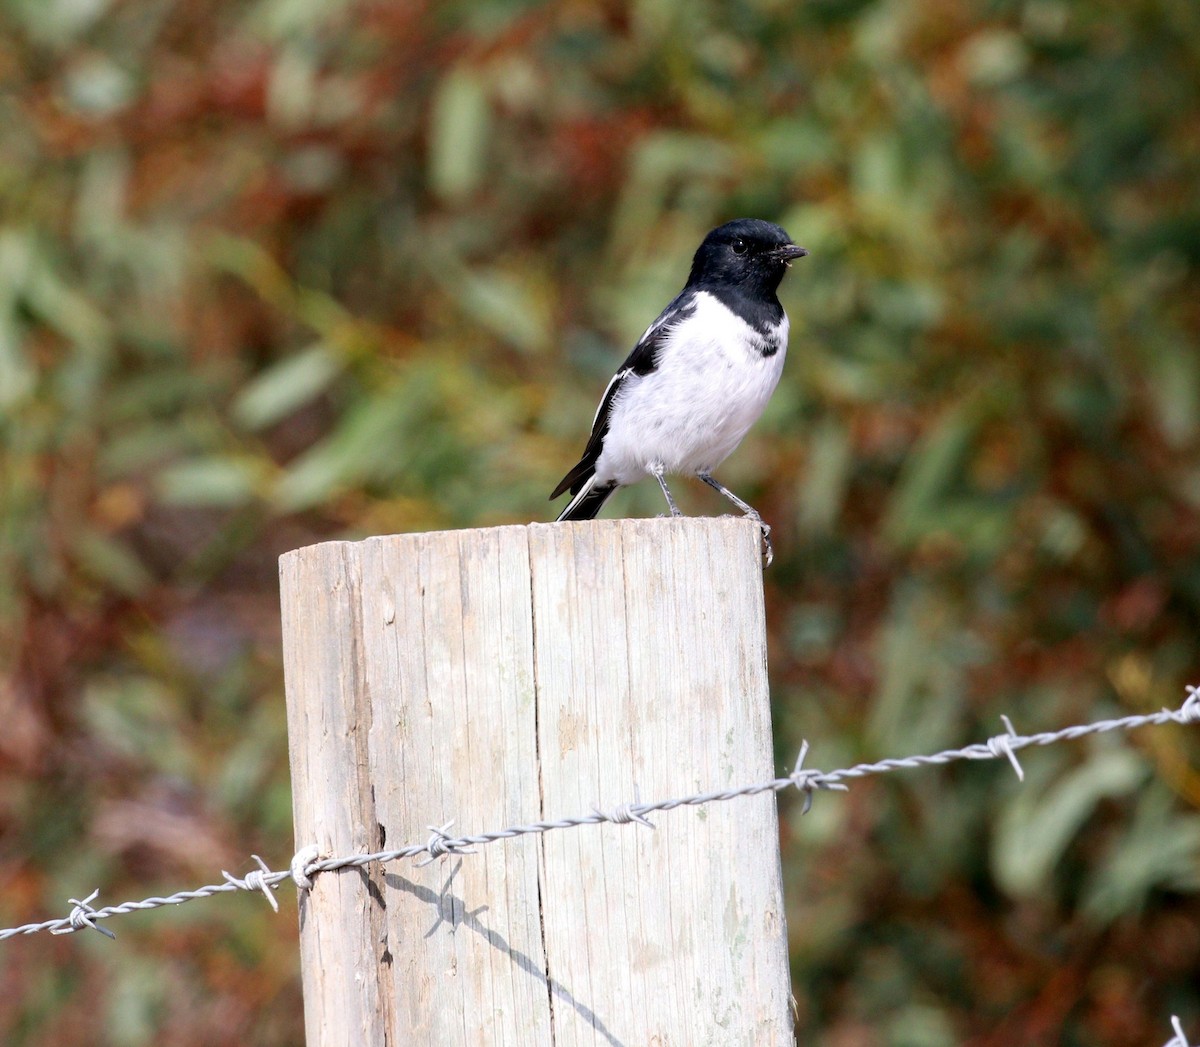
[(764, 528), (747, 510), (768, 549)]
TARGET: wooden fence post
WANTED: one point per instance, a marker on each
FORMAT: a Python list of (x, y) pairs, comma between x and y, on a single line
[(501, 676)]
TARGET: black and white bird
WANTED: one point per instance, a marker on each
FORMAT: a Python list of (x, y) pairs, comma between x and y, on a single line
[(698, 378)]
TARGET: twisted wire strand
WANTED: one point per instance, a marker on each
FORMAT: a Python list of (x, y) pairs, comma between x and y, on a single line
[(307, 862)]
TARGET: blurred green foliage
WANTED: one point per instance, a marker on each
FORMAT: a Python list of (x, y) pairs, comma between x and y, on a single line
[(273, 271)]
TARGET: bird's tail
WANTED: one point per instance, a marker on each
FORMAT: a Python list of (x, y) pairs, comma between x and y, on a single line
[(586, 504)]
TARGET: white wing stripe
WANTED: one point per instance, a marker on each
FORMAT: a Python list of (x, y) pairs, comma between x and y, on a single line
[(612, 382), (583, 493)]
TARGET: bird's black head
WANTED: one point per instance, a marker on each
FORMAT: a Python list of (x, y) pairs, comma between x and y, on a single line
[(748, 254)]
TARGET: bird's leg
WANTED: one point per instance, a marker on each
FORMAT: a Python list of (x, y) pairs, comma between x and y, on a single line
[(656, 470), (747, 509)]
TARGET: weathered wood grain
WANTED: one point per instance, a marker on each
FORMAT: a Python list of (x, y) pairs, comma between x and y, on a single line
[(505, 675)]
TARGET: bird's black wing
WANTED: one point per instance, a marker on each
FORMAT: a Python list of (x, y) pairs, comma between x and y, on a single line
[(586, 465), (641, 361)]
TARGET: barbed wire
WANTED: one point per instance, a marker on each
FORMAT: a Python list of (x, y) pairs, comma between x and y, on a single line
[(307, 862), (1179, 1039)]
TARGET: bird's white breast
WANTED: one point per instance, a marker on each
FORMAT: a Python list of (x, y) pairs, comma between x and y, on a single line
[(711, 384)]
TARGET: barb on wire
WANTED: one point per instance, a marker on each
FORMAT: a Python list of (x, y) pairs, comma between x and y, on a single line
[(84, 915), (307, 862), (255, 881), (1001, 745), (808, 782), (1179, 1039), (623, 814), (441, 843)]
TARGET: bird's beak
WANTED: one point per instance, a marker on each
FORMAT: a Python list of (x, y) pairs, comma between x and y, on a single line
[(789, 253)]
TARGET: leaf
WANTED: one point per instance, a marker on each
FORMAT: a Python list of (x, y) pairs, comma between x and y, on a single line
[(929, 475), (660, 162), (214, 482), (458, 134), (57, 21), (110, 562), (1174, 382), (994, 56), (829, 465), (923, 656), (1160, 849), (368, 433), (507, 304), (140, 447), (17, 373), (286, 386), (99, 87), (136, 716), (1038, 827), (67, 310), (905, 305)]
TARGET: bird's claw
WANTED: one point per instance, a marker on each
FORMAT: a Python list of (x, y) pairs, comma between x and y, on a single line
[(765, 530), (768, 549)]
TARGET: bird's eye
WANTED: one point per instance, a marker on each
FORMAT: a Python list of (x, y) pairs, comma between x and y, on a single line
[(739, 246)]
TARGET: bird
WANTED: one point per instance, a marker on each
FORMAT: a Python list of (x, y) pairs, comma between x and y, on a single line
[(699, 377)]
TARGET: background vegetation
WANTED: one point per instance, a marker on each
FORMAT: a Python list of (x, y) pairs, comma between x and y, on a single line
[(273, 271)]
